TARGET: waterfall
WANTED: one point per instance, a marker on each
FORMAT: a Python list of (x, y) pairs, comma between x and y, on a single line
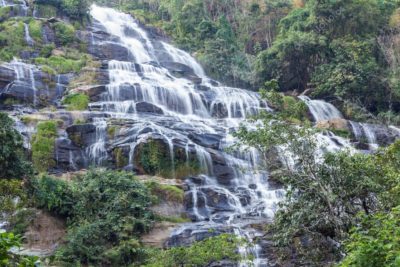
[(321, 110), (370, 135), (3, 3), (25, 74), (28, 37), (184, 58), (97, 152)]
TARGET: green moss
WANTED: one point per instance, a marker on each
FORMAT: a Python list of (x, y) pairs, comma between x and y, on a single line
[(65, 33), (35, 30), (174, 219), (61, 64), (48, 70), (46, 50), (166, 192), (111, 131), (43, 143), (120, 160), (154, 158), (76, 101)]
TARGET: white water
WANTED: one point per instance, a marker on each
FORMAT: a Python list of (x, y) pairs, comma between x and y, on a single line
[(237, 202), (184, 58), (321, 110), (364, 132), (25, 74), (28, 37)]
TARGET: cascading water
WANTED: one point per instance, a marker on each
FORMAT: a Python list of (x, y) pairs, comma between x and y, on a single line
[(28, 37), (321, 110), (25, 75), (365, 132), (244, 197)]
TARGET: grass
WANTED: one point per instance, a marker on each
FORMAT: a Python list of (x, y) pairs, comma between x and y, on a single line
[(76, 102), (61, 64)]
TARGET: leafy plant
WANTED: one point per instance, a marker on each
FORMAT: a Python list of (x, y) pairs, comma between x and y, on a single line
[(43, 143), (76, 101), (12, 158)]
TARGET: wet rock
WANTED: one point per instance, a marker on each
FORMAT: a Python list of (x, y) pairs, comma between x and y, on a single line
[(82, 135), (219, 110), (206, 140), (93, 91), (148, 108), (111, 51), (159, 234)]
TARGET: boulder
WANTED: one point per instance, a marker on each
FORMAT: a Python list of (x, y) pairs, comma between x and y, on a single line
[(111, 51), (146, 107), (334, 124), (206, 140)]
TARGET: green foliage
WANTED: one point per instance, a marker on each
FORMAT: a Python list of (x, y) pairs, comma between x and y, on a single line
[(154, 158), (166, 192), (43, 143), (12, 39), (35, 30), (332, 46), (65, 33), (76, 101), (224, 36), (4, 13), (75, 9), (61, 64), (9, 191), (106, 211), (375, 241), (202, 253), (8, 241), (12, 158), (322, 195)]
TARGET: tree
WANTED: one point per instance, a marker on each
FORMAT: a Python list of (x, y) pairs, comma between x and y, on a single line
[(324, 191), (12, 157)]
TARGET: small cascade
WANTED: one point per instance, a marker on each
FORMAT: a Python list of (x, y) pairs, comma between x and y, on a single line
[(28, 37), (25, 74), (3, 3), (370, 135), (184, 58), (97, 152), (321, 110), (129, 32)]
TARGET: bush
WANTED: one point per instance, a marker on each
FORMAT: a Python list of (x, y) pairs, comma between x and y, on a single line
[(65, 33), (35, 30), (375, 242), (76, 101), (106, 212), (203, 253), (62, 64), (43, 146), (12, 158)]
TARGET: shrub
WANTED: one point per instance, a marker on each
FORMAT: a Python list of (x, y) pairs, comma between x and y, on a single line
[(61, 64), (107, 211), (43, 146), (65, 33), (35, 30), (203, 253), (12, 158), (76, 101), (166, 192)]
